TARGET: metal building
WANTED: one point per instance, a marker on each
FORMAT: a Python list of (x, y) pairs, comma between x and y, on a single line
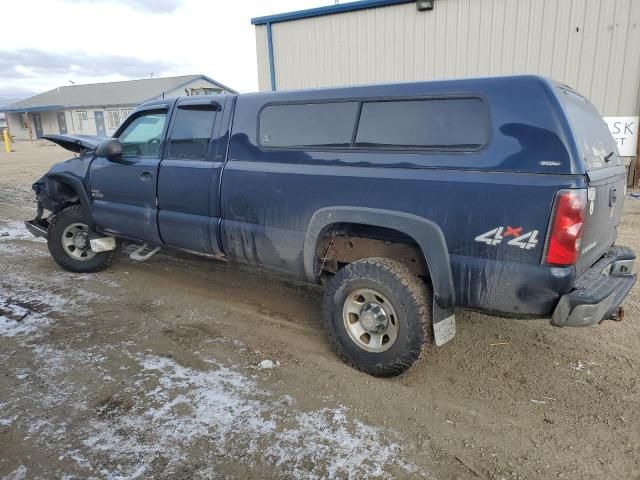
[(591, 45)]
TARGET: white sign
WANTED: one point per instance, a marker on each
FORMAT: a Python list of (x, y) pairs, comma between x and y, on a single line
[(625, 132)]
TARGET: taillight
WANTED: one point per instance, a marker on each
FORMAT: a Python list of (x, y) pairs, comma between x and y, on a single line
[(569, 215)]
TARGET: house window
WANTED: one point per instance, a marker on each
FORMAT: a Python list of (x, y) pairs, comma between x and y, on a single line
[(205, 91), (113, 119), (124, 113), (24, 121), (82, 119)]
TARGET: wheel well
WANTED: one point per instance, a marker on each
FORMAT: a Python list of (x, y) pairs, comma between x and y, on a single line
[(55, 195), (342, 243), (66, 194)]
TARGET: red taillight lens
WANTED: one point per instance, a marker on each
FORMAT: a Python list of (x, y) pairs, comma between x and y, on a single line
[(567, 228)]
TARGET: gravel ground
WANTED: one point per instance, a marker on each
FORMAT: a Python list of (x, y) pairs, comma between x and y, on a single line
[(180, 367)]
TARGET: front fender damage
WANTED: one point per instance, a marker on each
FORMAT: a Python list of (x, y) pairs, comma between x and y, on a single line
[(61, 187), (53, 195)]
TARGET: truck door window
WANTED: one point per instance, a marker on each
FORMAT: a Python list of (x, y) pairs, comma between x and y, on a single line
[(327, 124), (443, 124), (142, 137), (191, 133)]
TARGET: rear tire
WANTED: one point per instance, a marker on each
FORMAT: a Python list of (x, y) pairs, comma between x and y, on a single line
[(378, 316), (64, 228)]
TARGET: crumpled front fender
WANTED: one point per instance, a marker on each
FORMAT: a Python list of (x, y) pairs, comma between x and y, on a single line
[(64, 185)]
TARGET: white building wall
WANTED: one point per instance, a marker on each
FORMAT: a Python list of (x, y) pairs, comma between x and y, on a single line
[(591, 45), (88, 127), (73, 126), (50, 123), (14, 123), (70, 121)]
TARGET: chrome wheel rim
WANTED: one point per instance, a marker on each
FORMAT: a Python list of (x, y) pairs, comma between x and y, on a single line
[(370, 320), (75, 241)]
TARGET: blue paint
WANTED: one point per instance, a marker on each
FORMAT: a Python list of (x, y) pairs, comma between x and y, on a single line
[(272, 63), (38, 108), (258, 205), (328, 10)]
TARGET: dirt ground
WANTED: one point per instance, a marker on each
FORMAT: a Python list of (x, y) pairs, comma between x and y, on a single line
[(186, 368)]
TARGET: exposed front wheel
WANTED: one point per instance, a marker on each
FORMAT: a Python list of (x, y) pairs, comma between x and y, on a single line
[(68, 242), (378, 316)]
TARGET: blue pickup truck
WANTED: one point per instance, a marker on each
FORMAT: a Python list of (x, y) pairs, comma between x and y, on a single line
[(501, 195)]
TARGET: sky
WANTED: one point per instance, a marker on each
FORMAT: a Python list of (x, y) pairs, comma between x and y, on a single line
[(49, 43)]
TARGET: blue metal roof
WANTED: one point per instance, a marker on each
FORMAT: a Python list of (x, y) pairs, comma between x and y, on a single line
[(35, 108), (328, 10)]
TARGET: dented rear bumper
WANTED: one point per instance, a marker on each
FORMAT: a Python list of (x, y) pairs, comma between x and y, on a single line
[(598, 292)]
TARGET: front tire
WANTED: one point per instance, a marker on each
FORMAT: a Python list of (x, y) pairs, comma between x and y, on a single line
[(68, 242), (378, 316)]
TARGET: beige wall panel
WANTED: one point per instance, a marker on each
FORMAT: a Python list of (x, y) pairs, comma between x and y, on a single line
[(591, 45), (602, 55), (263, 58), (619, 46), (630, 82), (535, 36)]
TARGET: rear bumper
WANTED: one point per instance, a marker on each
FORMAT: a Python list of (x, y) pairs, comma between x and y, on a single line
[(599, 291)]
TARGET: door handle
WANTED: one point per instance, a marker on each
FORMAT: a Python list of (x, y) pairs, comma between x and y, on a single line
[(146, 176)]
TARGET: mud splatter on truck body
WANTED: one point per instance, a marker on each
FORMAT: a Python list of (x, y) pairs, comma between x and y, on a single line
[(504, 194)]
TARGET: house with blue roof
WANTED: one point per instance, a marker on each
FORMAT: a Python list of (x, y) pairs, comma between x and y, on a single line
[(97, 108)]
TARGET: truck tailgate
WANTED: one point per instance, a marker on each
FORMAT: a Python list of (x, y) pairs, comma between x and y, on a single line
[(606, 176), (605, 199)]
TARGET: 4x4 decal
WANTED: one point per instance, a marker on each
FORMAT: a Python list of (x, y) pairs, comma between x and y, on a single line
[(495, 236)]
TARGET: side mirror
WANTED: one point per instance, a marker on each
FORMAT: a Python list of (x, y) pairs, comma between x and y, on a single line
[(110, 149)]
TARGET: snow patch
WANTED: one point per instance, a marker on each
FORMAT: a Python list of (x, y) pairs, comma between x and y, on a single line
[(168, 411), (18, 474), (27, 304), (4, 422), (177, 407), (15, 318), (15, 230), (581, 366), (268, 365)]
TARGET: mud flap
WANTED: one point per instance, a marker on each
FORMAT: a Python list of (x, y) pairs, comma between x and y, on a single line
[(444, 323), (102, 244)]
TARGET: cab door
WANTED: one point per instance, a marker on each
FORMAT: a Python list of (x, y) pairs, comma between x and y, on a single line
[(123, 190), (189, 176)]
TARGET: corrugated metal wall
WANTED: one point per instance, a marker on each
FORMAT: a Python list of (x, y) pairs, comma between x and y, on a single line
[(592, 45)]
